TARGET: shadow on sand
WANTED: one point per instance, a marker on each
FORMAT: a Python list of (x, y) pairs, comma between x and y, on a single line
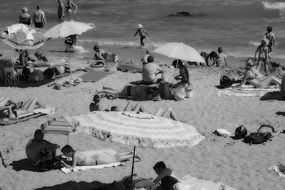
[(24, 164), (272, 96), (73, 185)]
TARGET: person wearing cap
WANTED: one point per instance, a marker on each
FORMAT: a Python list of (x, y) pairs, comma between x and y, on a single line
[(151, 72), (142, 33), (255, 78), (25, 17), (262, 49), (39, 18), (271, 37)]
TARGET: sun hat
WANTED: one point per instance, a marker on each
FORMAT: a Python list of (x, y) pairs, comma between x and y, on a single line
[(25, 9), (139, 26)]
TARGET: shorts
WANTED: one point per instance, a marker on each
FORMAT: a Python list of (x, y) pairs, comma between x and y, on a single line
[(39, 24)]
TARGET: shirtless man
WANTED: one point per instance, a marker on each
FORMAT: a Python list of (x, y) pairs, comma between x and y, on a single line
[(39, 18), (271, 37), (142, 33)]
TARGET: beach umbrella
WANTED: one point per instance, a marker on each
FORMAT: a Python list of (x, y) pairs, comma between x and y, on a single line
[(137, 129), (66, 29), (21, 36), (180, 51)]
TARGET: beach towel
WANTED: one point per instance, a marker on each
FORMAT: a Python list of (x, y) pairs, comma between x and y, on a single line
[(29, 115), (277, 170), (246, 90), (96, 167), (93, 76), (189, 182)]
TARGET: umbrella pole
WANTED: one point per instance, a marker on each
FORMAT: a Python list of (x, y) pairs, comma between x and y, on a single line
[(69, 62), (133, 164)]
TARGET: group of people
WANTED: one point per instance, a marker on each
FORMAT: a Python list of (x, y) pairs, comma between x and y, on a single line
[(42, 154), (38, 20)]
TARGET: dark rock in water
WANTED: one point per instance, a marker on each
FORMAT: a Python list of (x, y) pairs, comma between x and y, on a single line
[(181, 13)]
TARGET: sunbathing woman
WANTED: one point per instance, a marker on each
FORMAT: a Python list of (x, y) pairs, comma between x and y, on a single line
[(255, 78), (94, 157), (15, 110)]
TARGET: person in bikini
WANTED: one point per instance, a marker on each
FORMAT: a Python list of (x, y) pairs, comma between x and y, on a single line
[(255, 78), (262, 49), (94, 157)]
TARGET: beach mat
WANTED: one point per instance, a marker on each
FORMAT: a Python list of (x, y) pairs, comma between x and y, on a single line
[(246, 91), (10, 121), (96, 167), (93, 76)]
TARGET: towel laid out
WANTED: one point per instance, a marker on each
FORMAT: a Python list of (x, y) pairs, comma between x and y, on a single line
[(246, 90), (29, 115), (96, 167)]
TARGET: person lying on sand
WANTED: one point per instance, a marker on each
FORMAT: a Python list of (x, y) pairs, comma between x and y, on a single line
[(94, 157), (151, 72), (15, 110), (39, 151), (255, 78), (165, 177)]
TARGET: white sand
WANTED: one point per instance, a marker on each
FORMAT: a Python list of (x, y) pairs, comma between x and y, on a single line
[(237, 164)]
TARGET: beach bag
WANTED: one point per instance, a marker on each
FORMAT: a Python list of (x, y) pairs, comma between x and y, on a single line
[(257, 138), (240, 132), (226, 81)]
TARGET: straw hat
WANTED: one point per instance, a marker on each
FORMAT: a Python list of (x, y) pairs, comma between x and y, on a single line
[(139, 26), (25, 9)]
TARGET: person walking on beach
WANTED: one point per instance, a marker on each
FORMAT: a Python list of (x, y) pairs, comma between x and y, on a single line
[(60, 11), (39, 18), (142, 33), (271, 37), (25, 17)]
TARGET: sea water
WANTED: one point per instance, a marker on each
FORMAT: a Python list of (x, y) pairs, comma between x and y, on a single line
[(236, 25)]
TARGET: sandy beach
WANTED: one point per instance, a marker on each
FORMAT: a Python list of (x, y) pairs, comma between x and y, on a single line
[(233, 162)]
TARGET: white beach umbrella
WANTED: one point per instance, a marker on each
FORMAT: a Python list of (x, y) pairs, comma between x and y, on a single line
[(21, 36), (68, 28), (180, 51), (137, 129)]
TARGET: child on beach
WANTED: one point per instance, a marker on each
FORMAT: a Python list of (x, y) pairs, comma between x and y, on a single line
[(94, 157), (142, 33)]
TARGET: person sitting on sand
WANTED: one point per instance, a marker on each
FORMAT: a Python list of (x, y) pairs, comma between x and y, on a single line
[(262, 49), (39, 151), (222, 61), (94, 157), (271, 37), (142, 33), (165, 177), (98, 57), (151, 72), (255, 78), (70, 41)]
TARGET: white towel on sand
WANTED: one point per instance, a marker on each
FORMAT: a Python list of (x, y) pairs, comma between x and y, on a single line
[(97, 167), (246, 90), (276, 169)]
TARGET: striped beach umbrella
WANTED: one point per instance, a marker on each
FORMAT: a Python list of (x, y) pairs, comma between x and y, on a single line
[(137, 129)]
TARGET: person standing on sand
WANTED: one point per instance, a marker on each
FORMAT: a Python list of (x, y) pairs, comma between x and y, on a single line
[(60, 11), (39, 18), (222, 61), (271, 37), (25, 17), (142, 33)]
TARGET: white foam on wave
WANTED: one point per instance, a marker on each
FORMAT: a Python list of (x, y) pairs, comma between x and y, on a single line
[(274, 6)]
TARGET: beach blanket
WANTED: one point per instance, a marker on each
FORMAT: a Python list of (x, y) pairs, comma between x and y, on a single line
[(189, 182), (93, 76), (30, 115), (246, 90), (96, 167)]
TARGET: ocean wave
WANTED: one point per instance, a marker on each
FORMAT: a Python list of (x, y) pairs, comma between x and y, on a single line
[(274, 6)]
